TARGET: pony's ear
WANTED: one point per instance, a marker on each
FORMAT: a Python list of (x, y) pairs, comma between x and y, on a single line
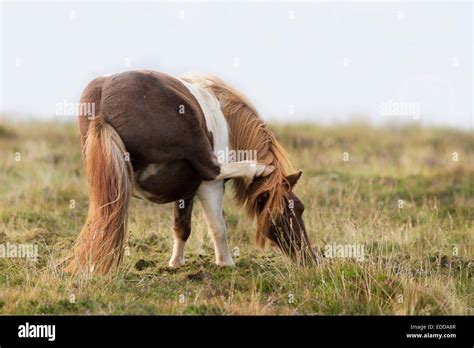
[(292, 179)]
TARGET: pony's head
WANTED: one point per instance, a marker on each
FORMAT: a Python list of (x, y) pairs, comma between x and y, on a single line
[(271, 198), (285, 227)]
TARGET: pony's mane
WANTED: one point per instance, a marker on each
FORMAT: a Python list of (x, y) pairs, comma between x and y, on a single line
[(247, 131)]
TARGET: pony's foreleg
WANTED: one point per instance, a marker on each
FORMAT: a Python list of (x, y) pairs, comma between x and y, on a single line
[(247, 170), (183, 209), (211, 194)]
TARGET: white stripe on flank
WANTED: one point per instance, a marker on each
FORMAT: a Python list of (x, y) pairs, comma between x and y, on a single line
[(215, 120)]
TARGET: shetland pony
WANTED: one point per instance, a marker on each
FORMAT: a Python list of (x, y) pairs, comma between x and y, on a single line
[(169, 139)]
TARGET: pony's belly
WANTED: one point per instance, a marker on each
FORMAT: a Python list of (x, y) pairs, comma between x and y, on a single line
[(167, 182)]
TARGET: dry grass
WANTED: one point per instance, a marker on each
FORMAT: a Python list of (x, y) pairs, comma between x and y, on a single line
[(418, 259)]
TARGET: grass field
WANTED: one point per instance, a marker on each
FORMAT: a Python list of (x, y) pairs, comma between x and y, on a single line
[(403, 193)]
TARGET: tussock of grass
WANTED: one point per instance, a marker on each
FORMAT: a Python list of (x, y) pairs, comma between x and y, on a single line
[(418, 258)]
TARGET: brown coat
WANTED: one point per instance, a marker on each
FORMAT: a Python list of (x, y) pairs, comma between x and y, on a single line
[(160, 122)]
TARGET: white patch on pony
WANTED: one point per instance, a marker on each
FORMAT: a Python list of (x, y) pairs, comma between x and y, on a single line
[(211, 193), (247, 170), (215, 120), (139, 177), (177, 259), (150, 170)]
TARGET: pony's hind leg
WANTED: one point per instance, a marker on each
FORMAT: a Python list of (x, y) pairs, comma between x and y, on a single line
[(182, 229), (211, 194)]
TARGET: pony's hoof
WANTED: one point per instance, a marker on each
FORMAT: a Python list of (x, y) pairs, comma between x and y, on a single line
[(176, 263), (228, 263)]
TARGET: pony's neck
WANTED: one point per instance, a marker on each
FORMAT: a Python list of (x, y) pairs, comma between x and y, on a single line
[(249, 134), (250, 139)]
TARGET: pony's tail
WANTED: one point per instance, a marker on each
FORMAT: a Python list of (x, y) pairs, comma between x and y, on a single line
[(100, 245)]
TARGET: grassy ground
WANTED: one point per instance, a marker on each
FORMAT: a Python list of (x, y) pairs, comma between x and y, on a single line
[(418, 257)]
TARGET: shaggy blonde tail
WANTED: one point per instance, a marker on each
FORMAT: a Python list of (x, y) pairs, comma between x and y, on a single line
[(100, 245)]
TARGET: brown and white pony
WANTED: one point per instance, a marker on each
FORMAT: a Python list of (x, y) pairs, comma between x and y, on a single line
[(169, 139)]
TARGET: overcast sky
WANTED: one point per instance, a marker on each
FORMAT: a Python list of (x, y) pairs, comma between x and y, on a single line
[(317, 61)]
